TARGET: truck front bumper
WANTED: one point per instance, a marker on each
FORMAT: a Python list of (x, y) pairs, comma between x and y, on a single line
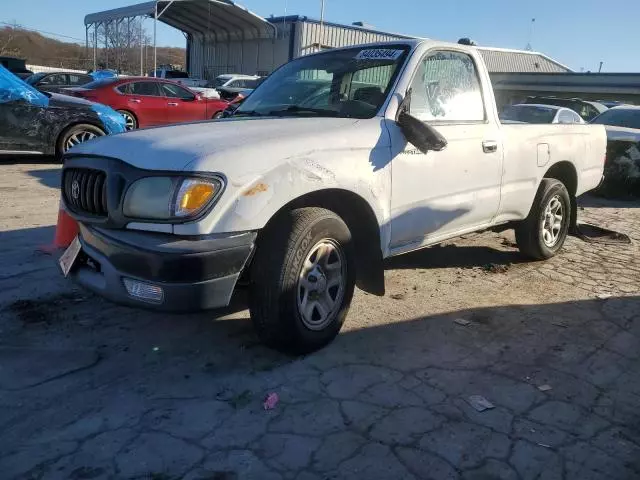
[(161, 271)]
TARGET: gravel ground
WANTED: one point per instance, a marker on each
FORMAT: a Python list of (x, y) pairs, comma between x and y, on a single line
[(90, 390)]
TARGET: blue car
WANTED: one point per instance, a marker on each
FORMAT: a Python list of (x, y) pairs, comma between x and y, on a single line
[(33, 122)]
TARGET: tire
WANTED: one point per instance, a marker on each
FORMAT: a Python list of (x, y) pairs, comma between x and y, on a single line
[(130, 118), (287, 302), (76, 134), (217, 115), (535, 236)]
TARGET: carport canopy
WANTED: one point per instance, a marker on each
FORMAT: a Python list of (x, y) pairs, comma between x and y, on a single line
[(222, 19)]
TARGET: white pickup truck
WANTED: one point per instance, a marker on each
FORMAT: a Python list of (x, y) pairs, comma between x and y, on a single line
[(337, 161)]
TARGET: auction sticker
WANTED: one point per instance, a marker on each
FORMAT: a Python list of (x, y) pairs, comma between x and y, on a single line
[(379, 54)]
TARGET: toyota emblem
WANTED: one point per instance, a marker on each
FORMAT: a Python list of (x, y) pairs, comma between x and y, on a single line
[(75, 189)]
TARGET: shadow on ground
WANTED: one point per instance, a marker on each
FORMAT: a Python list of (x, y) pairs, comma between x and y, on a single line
[(455, 256), (398, 391), (49, 177), (28, 159)]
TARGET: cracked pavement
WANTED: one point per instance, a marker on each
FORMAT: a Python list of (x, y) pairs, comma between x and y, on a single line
[(91, 390)]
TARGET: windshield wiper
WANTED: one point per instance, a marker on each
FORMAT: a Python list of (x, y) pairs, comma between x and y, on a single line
[(297, 109), (248, 113)]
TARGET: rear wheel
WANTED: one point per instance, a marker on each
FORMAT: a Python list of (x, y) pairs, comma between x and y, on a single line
[(302, 280), (543, 233), (217, 115), (76, 135), (131, 123)]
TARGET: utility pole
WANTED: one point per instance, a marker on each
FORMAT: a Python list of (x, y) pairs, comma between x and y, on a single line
[(321, 15), (141, 47), (529, 47), (600, 67), (155, 42)]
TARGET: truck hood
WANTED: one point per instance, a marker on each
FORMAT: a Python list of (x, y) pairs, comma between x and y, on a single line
[(234, 147)]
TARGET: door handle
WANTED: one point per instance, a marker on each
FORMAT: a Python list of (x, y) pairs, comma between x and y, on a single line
[(489, 146), (134, 100), (172, 104)]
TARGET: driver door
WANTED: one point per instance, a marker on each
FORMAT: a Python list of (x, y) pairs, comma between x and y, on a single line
[(440, 194)]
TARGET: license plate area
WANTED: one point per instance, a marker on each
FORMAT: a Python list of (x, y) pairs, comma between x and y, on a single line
[(70, 257)]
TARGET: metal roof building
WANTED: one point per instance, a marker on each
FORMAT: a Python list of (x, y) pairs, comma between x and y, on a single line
[(224, 37), (503, 60)]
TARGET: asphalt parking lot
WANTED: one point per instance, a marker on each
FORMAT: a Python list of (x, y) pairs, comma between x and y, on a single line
[(90, 390)]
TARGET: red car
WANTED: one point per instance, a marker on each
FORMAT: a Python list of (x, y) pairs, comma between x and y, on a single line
[(146, 102)]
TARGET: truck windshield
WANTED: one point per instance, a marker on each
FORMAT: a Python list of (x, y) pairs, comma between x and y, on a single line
[(350, 83)]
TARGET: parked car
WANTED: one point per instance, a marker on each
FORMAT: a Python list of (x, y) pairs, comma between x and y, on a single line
[(178, 76), (532, 113), (586, 109), (622, 168), (230, 85), (32, 122), (147, 102), (17, 66), (403, 149), (56, 81), (233, 80)]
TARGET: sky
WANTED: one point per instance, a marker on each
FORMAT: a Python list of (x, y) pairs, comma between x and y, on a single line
[(577, 33)]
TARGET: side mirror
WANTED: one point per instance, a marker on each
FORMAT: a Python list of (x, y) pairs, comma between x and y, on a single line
[(422, 135), (418, 133)]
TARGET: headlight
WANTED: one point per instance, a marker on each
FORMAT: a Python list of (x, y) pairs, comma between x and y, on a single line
[(166, 198)]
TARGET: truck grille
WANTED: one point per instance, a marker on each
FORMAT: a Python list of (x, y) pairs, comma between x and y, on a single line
[(85, 191)]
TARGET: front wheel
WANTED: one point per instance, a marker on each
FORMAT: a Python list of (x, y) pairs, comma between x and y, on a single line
[(543, 233), (76, 135), (302, 280)]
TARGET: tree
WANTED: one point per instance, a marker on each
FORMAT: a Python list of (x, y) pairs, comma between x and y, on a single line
[(119, 44), (8, 35)]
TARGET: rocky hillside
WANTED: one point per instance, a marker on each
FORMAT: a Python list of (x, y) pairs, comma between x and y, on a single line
[(40, 50)]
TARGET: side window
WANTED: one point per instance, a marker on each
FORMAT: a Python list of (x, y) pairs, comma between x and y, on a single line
[(589, 113), (576, 117), (447, 88), (174, 91), (54, 79), (149, 89), (125, 89), (78, 80)]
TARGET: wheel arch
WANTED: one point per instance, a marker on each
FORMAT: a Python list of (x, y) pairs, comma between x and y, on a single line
[(566, 173), (362, 221), (69, 126)]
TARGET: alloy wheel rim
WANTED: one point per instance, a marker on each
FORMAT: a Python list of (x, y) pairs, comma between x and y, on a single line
[(321, 284), (552, 221), (78, 138), (130, 123)]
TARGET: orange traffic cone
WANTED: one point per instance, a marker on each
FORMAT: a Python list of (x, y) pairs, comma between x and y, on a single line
[(66, 230)]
